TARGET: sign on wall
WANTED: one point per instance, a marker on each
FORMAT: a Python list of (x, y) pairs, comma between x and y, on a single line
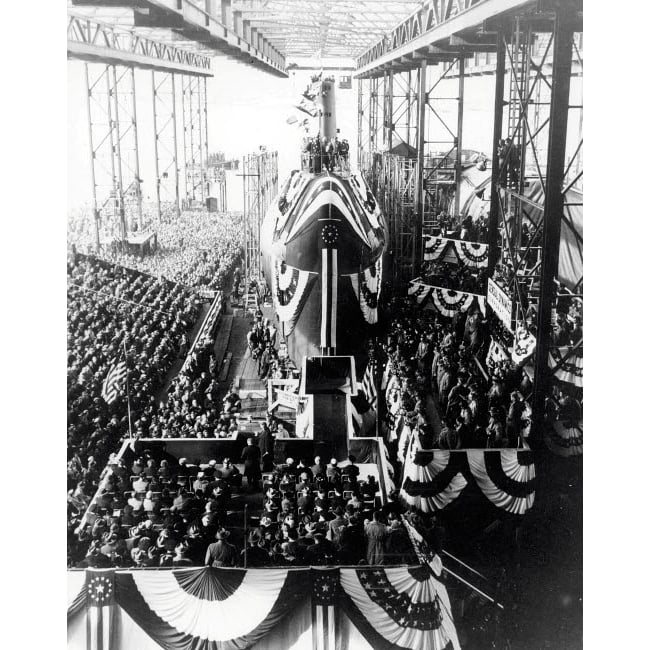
[(500, 303)]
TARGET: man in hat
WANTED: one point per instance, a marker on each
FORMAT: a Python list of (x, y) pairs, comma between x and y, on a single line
[(333, 532), (221, 553), (266, 442), (230, 473), (251, 456), (255, 554)]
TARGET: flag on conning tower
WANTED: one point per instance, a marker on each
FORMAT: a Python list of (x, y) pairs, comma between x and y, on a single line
[(368, 384), (114, 382)]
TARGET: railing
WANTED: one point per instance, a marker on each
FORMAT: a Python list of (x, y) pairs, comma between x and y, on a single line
[(206, 329)]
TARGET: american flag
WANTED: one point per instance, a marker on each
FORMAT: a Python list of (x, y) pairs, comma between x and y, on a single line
[(114, 382), (424, 552), (368, 385), (100, 592), (324, 600)]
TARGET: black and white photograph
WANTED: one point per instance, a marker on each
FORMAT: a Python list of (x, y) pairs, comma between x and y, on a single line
[(324, 318)]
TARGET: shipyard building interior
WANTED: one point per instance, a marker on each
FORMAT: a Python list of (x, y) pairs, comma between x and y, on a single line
[(324, 324)]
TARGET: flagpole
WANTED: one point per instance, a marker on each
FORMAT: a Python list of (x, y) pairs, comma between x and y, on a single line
[(128, 397)]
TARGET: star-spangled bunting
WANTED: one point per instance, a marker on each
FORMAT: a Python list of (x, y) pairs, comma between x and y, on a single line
[(100, 595), (325, 586), (405, 612)]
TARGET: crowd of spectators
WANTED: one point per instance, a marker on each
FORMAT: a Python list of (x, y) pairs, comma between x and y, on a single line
[(111, 308), (455, 276), (159, 512), (197, 249), (429, 354), (465, 228)]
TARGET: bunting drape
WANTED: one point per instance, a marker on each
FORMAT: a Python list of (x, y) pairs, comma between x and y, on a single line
[(469, 253), (434, 479), (571, 369), (291, 288), (228, 609), (564, 439), (400, 608), (367, 289), (506, 478), (446, 301), (76, 592), (434, 247), (475, 255), (201, 609)]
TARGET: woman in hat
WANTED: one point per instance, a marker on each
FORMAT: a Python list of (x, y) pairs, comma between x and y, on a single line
[(221, 553)]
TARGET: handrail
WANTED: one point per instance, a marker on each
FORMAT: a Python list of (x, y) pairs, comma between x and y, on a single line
[(208, 324)]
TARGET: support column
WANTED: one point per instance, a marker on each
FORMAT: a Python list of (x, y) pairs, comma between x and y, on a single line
[(419, 172), (177, 193), (92, 159), (113, 119), (155, 143), (388, 112), (553, 207), (137, 182), (459, 133), (165, 141), (203, 82), (359, 121), (493, 220)]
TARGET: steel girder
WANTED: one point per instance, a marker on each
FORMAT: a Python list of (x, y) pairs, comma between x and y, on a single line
[(91, 40), (434, 21), (166, 142)]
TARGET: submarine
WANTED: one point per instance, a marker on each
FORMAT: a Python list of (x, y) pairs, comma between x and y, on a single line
[(323, 241)]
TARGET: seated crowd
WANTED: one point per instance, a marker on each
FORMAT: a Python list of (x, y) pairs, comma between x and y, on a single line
[(168, 513)]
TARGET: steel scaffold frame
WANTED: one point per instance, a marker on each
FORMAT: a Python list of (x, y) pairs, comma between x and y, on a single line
[(260, 182), (538, 106), (115, 168), (194, 102), (126, 143), (165, 126), (441, 176)]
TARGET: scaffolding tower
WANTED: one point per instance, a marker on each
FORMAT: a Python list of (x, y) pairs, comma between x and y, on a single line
[(260, 176)]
